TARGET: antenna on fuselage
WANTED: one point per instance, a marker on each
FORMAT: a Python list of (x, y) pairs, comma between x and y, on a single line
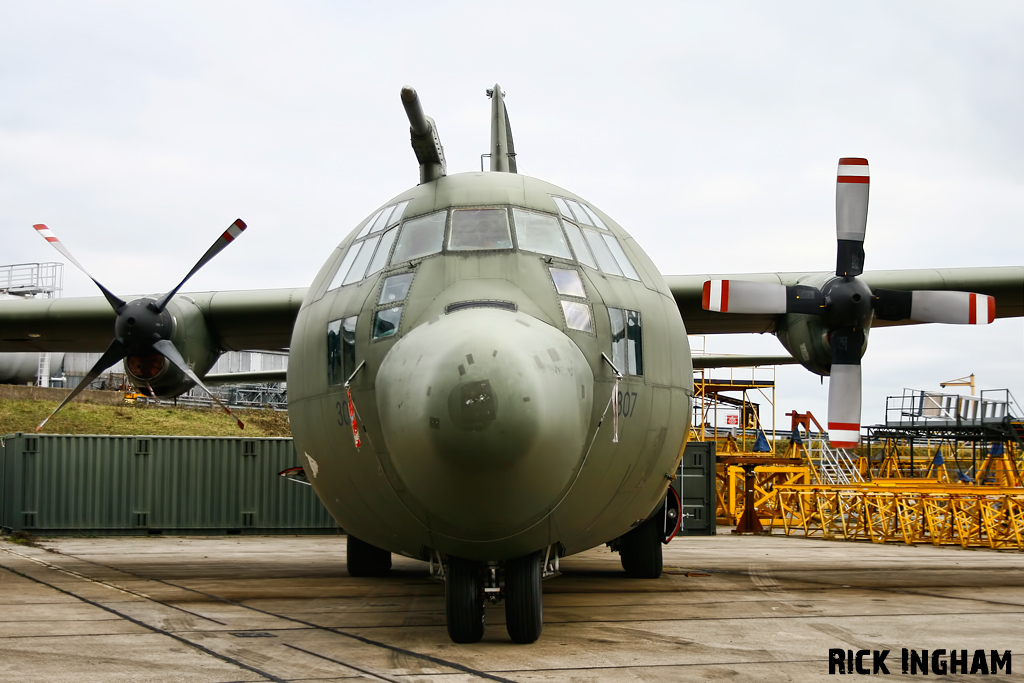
[(425, 141), (503, 151)]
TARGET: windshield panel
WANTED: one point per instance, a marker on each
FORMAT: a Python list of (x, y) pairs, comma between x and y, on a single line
[(480, 229), (540, 233), (420, 237)]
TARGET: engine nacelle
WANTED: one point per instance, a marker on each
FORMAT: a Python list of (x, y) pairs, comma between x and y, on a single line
[(806, 338), (194, 342)]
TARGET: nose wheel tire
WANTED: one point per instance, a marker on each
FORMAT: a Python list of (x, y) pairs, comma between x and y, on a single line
[(524, 598), (640, 550), (464, 600), (364, 559)]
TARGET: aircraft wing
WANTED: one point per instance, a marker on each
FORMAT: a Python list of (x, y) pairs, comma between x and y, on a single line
[(1005, 283), (237, 320)]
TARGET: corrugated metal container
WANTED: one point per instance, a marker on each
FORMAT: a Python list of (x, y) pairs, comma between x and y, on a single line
[(696, 488), (90, 484)]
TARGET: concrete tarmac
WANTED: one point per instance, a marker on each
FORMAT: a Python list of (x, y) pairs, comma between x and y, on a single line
[(243, 608)]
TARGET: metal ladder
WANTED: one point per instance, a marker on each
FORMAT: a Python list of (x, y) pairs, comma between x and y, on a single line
[(835, 465), (43, 374)]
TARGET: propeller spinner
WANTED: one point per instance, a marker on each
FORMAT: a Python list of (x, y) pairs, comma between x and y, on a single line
[(143, 326), (846, 304)]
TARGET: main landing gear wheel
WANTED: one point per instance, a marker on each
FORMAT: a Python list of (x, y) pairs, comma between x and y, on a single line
[(640, 550), (464, 600), (365, 559), (524, 598)]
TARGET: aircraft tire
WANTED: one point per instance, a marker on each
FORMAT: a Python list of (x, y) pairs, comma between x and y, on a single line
[(364, 559), (464, 600), (640, 551), (524, 598)]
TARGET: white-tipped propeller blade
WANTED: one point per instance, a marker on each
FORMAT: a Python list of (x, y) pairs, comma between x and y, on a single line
[(48, 235), (226, 238), (844, 406), (738, 296), (954, 308), (852, 185)]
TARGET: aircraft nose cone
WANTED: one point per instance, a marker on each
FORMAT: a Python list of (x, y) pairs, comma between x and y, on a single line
[(486, 430)]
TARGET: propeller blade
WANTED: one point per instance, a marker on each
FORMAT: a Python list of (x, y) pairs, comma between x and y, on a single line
[(233, 231), (48, 235), (954, 308), (166, 348), (844, 388), (114, 353), (739, 296), (852, 184)]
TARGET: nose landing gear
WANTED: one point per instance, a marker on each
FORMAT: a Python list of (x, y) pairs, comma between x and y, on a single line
[(469, 584), (464, 600), (524, 598)]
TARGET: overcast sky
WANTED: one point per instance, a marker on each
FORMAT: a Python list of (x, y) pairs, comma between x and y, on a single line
[(709, 131)]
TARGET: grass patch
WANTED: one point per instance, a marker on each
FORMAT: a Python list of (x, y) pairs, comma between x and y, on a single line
[(138, 419)]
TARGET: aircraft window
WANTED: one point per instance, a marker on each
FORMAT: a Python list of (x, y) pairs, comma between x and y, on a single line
[(383, 249), (581, 215), (603, 254), (568, 282), (382, 220), (577, 316), (385, 322), (627, 341), (395, 288), (593, 215), (369, 224), (563, 208), (346, 263), (358, 269), (539, 232), (341, 349), (420, 237), (620, 257), (634, 344), (396, 215), (579, 245), (480, 229)]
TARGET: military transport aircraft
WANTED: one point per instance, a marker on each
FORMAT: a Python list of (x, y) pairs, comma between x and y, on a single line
[(489, 373)]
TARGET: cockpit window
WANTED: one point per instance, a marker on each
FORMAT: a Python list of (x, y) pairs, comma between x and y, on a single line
[(358, 269), (604, 256), (627, 341), (480, 229), (620, 257), (385, 322), (594, 217), (563, 208), (395, 288), (568, 282), (539, 232), (579, 245), (581, 215), (383, 249), (577, 316), (346, 263), (420, 237), (389, 217), (370, 223), (341, 349)]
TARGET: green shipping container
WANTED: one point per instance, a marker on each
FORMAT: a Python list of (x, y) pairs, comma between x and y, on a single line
[(126, 485)]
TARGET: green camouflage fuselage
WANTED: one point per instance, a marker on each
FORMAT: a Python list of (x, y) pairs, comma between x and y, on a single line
[(480, 418)]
